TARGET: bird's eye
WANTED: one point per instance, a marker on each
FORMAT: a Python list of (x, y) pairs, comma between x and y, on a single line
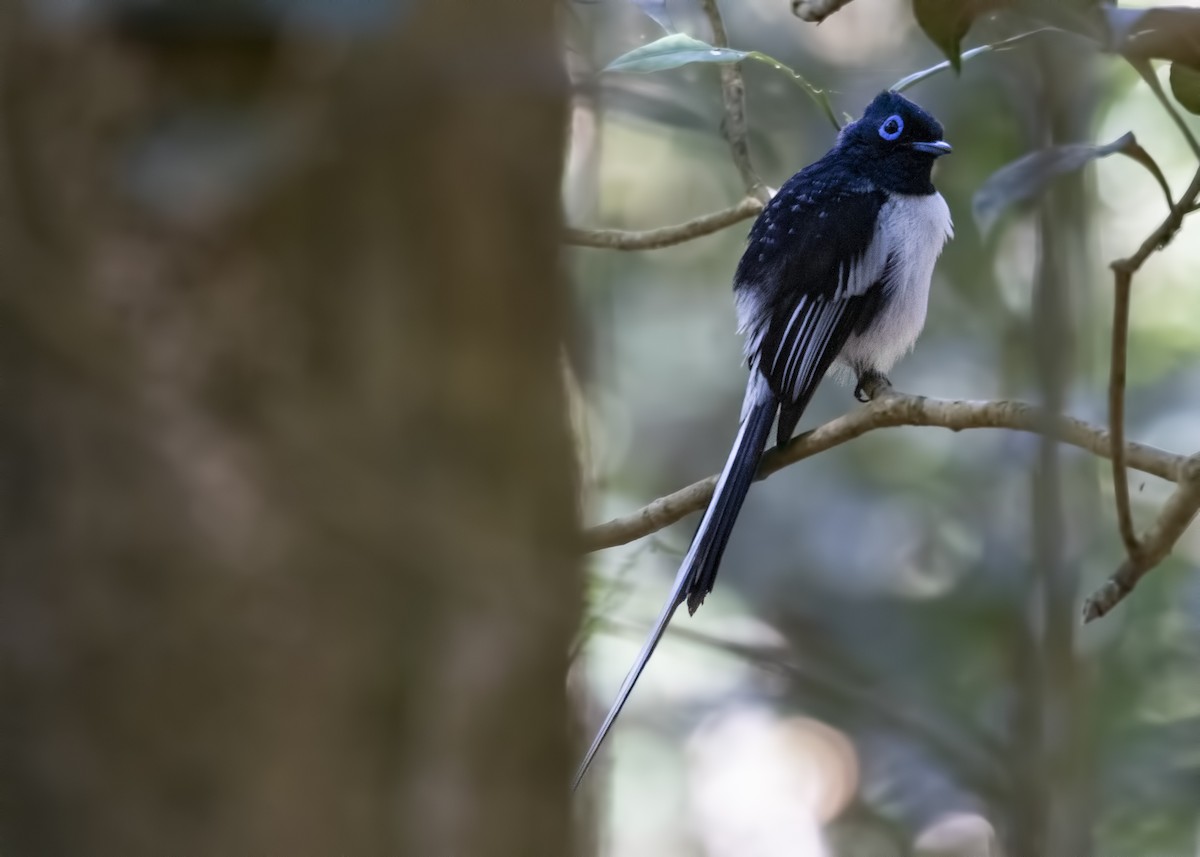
[(891, 128)]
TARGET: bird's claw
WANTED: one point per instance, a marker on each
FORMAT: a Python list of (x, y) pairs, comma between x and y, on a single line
[(870, 384)]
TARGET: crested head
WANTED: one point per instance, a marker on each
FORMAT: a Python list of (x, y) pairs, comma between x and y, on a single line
[(894, 143)]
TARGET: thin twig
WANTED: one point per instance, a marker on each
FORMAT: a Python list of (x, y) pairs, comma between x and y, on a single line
[(664, 236), (1157, 542), (926, 73), (1123, 271), (1166, 230), (733, 94), (1116, 409), (889, 410)]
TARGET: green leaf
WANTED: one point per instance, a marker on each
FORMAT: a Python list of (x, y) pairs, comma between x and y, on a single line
[(679, 50), (1185, 85), (1027, 177), (1160, 32), (926, 73), (672, 52), (945, 22)]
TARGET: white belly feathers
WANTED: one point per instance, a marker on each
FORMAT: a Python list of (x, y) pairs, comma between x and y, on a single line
[(911, 230)]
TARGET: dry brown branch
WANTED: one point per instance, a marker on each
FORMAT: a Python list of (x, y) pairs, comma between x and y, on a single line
[(1156, 544), (665, 236), (733, 94), (890, 409), (1138, 561)]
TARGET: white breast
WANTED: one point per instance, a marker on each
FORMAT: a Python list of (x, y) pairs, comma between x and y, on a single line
[(913, 229)]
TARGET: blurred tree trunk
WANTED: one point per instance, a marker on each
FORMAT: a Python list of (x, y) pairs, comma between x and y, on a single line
[(1053, 802), (286, 488)]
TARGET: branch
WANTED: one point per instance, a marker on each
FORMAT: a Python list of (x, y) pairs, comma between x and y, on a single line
[(1157, 542), (888, 410), (733, 93), (1123, 271), (1166, 230), (665, 236), (1116, 409)]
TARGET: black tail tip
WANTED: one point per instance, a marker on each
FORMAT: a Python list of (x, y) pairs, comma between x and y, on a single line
[(701, 583)]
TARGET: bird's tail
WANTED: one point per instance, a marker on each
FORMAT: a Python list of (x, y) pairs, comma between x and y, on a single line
[(698, 570), (708, 545)]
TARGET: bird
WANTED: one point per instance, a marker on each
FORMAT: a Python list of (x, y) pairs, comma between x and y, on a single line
[(837, 268)]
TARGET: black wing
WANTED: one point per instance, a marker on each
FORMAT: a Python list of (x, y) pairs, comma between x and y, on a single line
[(812, 273)]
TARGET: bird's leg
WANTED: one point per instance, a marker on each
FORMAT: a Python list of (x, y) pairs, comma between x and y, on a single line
[(870, 385)]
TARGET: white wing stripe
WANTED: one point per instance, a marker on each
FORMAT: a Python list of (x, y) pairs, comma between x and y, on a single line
[(800, 345), (812, 358), (804, 353), (800, 304), (782, 348), (816, 348)]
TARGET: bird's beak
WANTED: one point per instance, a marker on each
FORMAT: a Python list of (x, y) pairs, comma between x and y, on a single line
[(935, 148)]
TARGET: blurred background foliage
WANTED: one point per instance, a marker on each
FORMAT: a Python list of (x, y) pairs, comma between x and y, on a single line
[(890, 664)]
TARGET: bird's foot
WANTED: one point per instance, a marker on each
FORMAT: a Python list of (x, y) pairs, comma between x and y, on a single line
[(870, 385)]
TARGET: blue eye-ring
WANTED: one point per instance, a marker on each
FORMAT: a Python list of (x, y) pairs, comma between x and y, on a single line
[(891, 128)]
